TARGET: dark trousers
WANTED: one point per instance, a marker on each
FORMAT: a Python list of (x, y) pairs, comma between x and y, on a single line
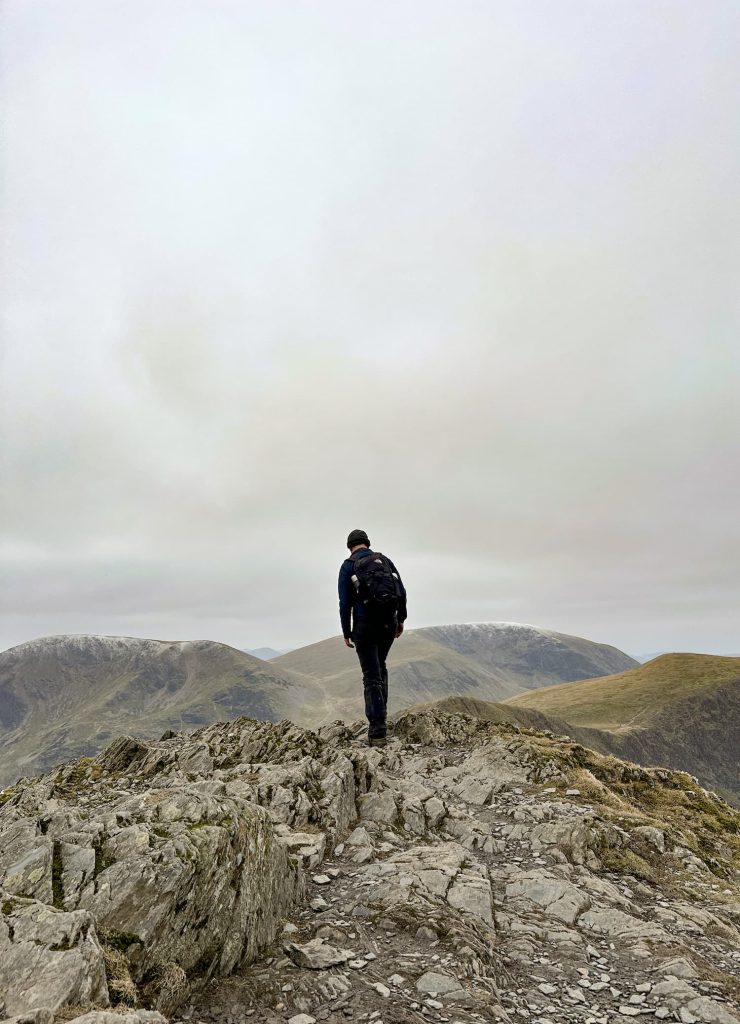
[(372, 643)]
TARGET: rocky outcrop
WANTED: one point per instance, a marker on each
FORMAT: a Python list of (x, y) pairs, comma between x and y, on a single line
[(469, 871)]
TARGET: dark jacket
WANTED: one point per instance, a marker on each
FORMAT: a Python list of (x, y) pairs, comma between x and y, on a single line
[(351, 607)]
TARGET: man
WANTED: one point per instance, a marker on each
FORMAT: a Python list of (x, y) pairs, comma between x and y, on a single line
[(372, 607)]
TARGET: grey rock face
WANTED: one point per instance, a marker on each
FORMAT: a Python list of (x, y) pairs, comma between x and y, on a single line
[(445, 876), (40, 1016), (48, 957), (558, 898), (160, 864), (132, 1017)]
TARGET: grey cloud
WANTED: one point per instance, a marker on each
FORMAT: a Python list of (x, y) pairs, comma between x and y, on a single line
[(466, 281)]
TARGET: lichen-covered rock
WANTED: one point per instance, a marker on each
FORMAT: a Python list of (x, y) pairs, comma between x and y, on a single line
[(43, 1015), (453, 862), (616, 924), (48, 957)]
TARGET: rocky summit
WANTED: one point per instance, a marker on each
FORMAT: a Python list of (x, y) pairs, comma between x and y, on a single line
[(470, 871)]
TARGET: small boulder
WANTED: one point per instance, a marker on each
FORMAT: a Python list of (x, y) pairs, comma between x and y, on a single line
[(317, 955), (434, 983)]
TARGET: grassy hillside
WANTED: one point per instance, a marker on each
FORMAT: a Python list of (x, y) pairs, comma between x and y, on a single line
[(67, 696), (630, 700), (679, 710)]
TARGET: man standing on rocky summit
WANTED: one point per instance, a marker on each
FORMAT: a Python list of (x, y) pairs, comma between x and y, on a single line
[(372, 607)]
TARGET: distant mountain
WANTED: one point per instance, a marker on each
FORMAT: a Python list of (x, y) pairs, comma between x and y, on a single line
[(642, 658), (680, 710), (535, 656), (265, 653), (488, 661), (65, 696)]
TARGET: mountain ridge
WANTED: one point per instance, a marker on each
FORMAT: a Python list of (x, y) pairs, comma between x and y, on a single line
[(254, 870), (680, 709), (488, 661), (68, 694)]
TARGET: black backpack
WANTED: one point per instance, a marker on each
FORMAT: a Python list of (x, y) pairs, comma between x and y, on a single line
[(377, 586)]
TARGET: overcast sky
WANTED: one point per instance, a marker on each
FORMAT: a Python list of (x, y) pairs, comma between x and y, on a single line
[(463, 275)]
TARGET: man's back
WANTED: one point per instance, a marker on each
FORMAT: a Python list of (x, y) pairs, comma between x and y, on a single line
[(372, 613), (353, 604)]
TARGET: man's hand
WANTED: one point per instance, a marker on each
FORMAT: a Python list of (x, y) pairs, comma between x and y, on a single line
[(399, 630), (348, 642)]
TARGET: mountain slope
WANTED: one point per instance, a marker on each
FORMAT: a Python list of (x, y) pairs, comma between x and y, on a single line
[(488, 661), (682, 710), (533, 655), (65, 696)]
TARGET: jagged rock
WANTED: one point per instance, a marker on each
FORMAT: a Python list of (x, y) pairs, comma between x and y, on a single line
[(570, 835), (471, 892), (709, 1011), (154, 864), (122, 753), (559, 898), (359, 837), (674, 992), (41, 1016), (48, 957), (308, 847), (679, 967), (465, 866), (435, 810), (681, 997), (359, 846), (652, 836)]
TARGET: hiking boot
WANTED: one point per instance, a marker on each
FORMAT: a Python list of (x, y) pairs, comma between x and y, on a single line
[(377, 741)]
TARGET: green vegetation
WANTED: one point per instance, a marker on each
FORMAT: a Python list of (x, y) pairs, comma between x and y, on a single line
[(626, 862), (629, 795), (7, 794), (681, 710), (630, 700)]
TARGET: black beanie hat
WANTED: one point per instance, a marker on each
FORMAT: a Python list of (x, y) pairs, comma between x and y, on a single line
[(357, 537)]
